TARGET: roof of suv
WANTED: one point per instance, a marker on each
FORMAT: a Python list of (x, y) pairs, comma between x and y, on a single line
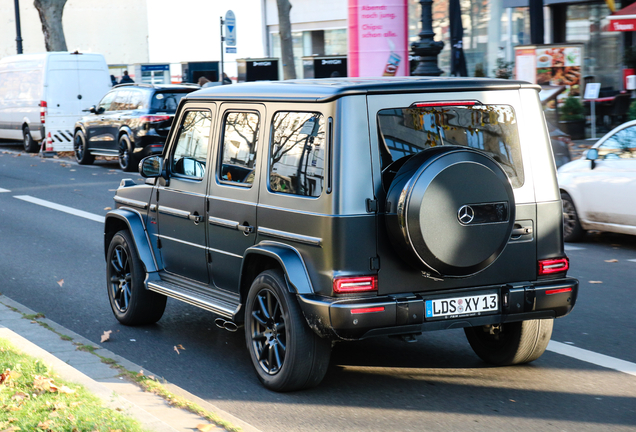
[(160, 86), (326, 89)]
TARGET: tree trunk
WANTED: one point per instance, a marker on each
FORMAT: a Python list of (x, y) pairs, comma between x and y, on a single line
[(51, 16), (286, 44)]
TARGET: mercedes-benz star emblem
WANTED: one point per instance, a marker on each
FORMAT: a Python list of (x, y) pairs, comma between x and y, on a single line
[(466, 214)]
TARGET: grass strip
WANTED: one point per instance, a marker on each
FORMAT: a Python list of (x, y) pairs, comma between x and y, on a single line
[(33, 397)]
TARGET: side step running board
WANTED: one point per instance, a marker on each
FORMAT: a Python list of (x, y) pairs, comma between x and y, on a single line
[(196, 298)]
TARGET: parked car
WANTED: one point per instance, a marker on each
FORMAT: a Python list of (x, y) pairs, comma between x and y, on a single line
[(43, 95), (130, 122), (335, 210), (598, 190), (561, 143)]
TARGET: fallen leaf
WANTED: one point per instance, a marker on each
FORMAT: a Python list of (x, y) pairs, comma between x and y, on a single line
[(71, 418), (141, 373), (181, 347), (106, 335), (205, 427), (54, 414), (5, 375), (177, 350), (65, 390), (59, 406), (107, 208), (75, 404), (60, 282), (45, 425), (20, 396), (611, 261), (596, 282)]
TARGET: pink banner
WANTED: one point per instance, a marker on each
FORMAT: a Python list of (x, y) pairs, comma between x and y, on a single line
[(378, 38)]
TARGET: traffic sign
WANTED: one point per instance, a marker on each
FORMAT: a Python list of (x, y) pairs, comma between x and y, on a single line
[(230, 29), (230, 50)]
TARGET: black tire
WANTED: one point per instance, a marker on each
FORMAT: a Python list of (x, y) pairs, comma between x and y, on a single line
[(127, 160), (572, 229), (80, 147), (30, 145), (511, 343), (130, 301), (287, 355)]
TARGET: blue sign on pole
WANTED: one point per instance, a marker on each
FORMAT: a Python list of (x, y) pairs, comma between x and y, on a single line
[(230, 29)]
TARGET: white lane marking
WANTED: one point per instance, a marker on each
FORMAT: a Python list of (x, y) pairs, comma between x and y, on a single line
[(65, 209), (592, 357), (571, 248), (4, 190)]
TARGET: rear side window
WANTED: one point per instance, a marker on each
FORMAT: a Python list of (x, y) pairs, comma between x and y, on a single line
[(491, 129), (297, 154), (240, 137), (166, 101)]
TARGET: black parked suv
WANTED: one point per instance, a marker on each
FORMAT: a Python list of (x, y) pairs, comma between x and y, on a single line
[(311, 212), (130, 122)]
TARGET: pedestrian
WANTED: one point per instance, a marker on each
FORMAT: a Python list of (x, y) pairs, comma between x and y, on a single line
[(126, 79), (203, 81), (226, 79), (113, 80)]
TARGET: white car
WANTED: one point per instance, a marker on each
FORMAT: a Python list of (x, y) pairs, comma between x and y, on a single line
[(599, 190)]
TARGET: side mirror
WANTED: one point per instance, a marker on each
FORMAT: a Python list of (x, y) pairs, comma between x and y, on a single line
[(151, 167), (592, 156)]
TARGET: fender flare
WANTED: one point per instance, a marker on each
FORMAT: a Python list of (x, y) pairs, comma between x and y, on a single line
[(125, 130), (135, 224), (292, 263)]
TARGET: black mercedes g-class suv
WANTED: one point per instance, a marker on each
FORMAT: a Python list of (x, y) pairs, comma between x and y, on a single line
[(332, 210)]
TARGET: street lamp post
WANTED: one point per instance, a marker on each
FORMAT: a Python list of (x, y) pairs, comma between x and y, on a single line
[(18, 38), (427, 49)]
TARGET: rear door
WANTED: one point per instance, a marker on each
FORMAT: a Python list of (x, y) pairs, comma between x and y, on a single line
[(234, 190), (182, 202)]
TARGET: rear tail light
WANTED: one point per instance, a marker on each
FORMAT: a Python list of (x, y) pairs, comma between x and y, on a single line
[(154, 118), (551, 266), (355, 284), (43, 111)]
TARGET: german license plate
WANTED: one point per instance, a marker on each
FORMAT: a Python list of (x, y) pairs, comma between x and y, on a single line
[(463, 306)]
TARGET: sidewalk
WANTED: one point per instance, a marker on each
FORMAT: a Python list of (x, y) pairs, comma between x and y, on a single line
[(87, 369)]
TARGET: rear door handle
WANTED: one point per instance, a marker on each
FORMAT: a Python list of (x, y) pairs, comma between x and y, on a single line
[(247, 229), (195, 218)]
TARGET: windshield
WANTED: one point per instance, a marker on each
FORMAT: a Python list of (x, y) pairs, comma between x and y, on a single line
[(491, 129), (166, 101)]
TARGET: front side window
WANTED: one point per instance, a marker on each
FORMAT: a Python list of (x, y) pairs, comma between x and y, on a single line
[(492, 129), (621, 145), (240, 138), (297, 154), (106, 102), (190, 155)]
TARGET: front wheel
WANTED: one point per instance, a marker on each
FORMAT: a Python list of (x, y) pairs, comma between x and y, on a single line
[(30, 145), (130, 301), (127, 159), (285, 352), (510, 343)]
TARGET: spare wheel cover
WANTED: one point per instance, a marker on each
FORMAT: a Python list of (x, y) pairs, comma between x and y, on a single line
[(455, 211)]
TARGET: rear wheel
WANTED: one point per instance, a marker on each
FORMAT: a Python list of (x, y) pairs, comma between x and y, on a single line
[(30, 145), (510, 343), (130, 301), (82, 154), (127, 160), (285, 352), (572, 229)]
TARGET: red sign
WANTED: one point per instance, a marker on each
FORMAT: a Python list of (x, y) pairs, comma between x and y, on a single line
[(622, 24)]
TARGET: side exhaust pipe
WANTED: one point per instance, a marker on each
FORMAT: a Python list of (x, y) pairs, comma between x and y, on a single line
[(226, 325)]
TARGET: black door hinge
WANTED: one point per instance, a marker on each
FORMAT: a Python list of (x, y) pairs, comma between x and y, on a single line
[(158, 243), (372, 205), (209, 257), (375, 263), (157, 195)]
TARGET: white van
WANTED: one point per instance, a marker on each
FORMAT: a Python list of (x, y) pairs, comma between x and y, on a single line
[(43, 95)]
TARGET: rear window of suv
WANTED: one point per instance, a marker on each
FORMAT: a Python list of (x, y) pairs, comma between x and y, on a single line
[(166, 101), (491, 129)]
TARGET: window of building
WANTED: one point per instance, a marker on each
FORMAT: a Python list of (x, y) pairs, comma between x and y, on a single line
[(191, 153), (240, 139), (297, 154)]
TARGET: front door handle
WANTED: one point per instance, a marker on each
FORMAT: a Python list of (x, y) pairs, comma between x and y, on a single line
[(195, 218), (521, 231)]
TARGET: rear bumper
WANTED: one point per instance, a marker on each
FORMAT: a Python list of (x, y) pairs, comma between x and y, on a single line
[(360, 318)]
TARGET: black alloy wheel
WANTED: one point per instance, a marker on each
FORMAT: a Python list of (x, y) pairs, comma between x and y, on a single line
[(286, 354), (82, 154), (30, 146), (127, 160), (269, 339), (130, 301), (572, 229)]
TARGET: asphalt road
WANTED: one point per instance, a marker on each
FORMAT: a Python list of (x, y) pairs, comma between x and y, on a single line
[(53, 262)]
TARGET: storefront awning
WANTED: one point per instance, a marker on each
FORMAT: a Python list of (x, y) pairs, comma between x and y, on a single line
[(624, 19)]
